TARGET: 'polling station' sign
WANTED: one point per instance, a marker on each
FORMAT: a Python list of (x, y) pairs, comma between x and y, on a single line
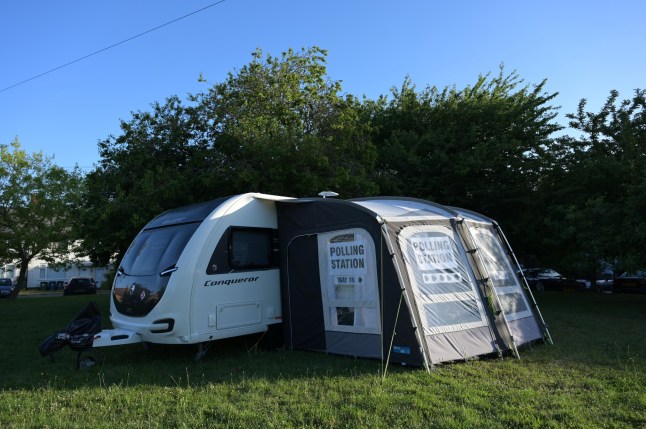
[(347, 257), (433, 253)]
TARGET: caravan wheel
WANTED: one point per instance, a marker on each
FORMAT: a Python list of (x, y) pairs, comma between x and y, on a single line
[(86, 362), (202, 348), (540, 287)]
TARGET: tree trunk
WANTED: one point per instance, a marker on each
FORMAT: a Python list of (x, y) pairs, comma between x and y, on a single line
[(22, 280)]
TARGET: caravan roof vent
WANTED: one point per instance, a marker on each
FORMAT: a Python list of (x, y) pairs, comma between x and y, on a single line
[(326, 194)]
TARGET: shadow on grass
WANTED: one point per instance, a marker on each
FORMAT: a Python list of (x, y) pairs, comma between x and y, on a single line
[(589, 330), (25, 323), (228, 361)]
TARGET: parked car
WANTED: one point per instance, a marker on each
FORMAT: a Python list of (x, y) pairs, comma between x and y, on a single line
[(6, 286), (80, 285), (542, 279), (630, 283), (603, 283)]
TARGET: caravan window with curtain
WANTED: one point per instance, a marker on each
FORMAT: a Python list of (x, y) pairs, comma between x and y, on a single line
[(244, 249)]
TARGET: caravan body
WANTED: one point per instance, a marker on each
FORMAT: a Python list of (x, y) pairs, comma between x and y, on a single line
[(199, 273)]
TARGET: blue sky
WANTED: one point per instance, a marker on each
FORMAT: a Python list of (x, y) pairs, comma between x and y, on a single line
[(583, 48)]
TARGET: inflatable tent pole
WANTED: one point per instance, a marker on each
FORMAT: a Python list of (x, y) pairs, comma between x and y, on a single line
[(418, 332)]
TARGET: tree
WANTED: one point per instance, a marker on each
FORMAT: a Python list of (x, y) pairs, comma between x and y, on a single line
[(158, 162), (38, 201), (278, 125), (485, 147), (281, 126), (598, 196)]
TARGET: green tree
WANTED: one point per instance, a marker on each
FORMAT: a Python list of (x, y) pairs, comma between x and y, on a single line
[(597, 198), (38, 202), (158, 162), (485, 147), (281, 126), (278, 125)]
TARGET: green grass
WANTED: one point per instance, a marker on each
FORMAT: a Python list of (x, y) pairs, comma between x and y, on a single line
[(593, 376)]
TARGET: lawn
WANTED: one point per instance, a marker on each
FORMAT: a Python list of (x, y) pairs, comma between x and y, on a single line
[(593, 376)]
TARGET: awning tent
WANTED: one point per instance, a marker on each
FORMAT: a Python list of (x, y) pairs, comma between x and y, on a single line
[(401, 280)]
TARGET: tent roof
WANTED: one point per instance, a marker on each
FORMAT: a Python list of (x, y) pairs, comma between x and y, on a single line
[(393, 207), (471, 215)]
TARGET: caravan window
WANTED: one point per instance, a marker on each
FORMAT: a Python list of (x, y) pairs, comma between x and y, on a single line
[(245, 248), (156, 249), (139, 284), (250, 248)]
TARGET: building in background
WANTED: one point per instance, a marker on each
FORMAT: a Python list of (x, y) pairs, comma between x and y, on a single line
[(41, 275)]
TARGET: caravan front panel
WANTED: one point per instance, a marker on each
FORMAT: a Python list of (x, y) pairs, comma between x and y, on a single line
[(151, 259)]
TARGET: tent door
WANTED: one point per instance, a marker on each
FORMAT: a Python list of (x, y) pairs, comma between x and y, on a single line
[(488, 287), (304, 304)]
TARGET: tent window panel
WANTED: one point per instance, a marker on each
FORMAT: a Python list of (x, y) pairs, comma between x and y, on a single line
[(494, 258), (514, 305), (443, 285), (499, 267), (347, 265), (440, 314), (359, 317)]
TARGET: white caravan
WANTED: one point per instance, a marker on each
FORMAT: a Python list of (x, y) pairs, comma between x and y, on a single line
[(216, 265)]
